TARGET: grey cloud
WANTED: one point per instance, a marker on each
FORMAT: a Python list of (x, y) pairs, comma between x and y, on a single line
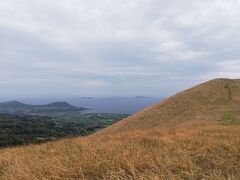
[(105, 48)]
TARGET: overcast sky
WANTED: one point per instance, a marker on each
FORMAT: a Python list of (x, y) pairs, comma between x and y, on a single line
[(116, 47)]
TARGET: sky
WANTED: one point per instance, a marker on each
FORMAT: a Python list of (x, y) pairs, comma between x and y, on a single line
[(115, 48)]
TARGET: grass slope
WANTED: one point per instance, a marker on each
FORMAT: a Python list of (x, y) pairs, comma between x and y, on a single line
[(181, 138), (205, 103)]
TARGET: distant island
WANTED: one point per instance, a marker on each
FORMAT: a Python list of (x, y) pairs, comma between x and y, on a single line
[(15, 107), (142, 97), (85, 97)]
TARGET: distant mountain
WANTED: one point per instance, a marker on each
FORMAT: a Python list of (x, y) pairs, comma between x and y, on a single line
[(15, 107), (58, 105), (14, 104)]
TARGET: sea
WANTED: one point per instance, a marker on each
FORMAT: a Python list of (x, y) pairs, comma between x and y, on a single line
[(121, 105)]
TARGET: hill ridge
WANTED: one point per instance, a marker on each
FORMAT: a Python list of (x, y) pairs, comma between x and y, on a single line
[(13, 103)]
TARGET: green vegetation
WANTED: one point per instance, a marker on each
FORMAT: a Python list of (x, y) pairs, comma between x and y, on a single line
[(28, 129), (230, 118)]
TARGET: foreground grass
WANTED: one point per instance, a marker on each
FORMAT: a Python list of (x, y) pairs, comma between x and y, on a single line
[(204, 152)]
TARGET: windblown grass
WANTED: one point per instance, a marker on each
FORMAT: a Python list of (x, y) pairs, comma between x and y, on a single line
[(201, 152)]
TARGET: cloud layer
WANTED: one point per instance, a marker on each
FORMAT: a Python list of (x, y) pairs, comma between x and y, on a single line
[(112, 48)]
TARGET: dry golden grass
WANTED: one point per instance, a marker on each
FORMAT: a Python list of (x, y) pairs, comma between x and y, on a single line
[(180, 138), (207, 102), (201, 152)]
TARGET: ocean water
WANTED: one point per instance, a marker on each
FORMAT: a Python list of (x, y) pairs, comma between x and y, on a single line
[(115, 104), (122, 105)]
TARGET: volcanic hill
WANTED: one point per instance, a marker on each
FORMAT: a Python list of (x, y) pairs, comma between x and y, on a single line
[(209, 102)]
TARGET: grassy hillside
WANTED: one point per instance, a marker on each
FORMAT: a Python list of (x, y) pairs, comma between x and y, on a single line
[(209, 102), (193, 135)]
